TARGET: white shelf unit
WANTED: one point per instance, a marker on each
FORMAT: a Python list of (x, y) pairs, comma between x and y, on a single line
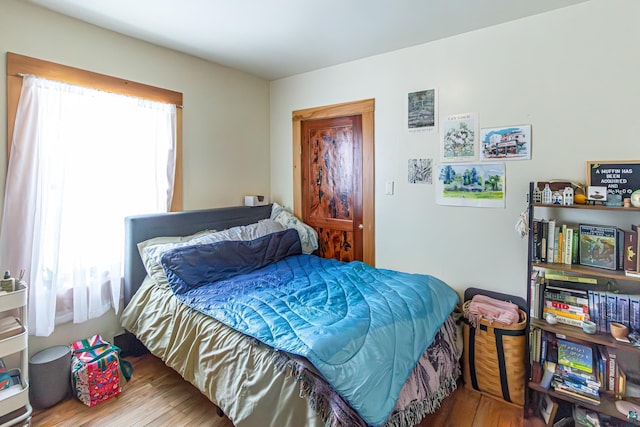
[(15, 408)]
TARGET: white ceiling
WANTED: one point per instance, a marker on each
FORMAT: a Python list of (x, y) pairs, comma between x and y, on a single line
[(279, 38)]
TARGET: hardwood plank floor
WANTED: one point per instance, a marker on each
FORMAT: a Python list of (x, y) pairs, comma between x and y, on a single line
[(157, 396)]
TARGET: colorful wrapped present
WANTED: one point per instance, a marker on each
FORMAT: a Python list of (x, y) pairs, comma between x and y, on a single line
[(94, 369)]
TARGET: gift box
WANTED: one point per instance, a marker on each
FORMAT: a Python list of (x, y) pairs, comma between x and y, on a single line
[(95, 369)]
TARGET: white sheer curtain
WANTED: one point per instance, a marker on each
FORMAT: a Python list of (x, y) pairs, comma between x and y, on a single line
[(81, 160)]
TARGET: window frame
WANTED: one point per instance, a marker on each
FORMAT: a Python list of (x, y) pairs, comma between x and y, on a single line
[(20, 65)]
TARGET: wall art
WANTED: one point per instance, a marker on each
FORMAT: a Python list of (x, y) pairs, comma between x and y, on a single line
[(420, 171), (471, 184), (422, 111), (506, 143), (459, 138)]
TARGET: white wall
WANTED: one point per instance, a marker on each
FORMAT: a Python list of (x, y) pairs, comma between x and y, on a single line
[(573, 74), (225, 117)]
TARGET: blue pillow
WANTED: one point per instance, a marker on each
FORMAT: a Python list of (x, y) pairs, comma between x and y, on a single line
[(189, 267)]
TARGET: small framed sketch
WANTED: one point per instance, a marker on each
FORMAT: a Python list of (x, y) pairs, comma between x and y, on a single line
[(420, 171), (422, 111), (459, 136), (506, 143)]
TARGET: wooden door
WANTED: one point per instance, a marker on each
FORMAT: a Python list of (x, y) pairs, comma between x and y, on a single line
[(365, 213), (332, 184)]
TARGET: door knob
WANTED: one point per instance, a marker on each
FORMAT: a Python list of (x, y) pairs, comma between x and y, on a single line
[(361, 226)]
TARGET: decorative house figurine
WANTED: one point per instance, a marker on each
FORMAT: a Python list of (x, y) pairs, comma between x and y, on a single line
[(567, 196), (537, 195), (556, 198), (546, 195)]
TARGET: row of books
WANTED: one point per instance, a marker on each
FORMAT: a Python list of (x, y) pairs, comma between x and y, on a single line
[(599, 246), (573, 306), (577, 369), (554, 243)]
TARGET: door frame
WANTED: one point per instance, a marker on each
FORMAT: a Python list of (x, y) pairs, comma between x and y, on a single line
[(365, 108)]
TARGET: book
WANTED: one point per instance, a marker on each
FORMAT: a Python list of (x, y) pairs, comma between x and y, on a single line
[(629, 250), (556, 241), (564, 277), (575, 252), (551, 347), (9, 327), (621, 384), (554, 287), (547, 376), (577, 376), (559, 251), (599, 246), (593, 307), (536, 281), (620, 249), (580, 310), (9, 379), (579, 383), (612, 308), (635, 227), (536, 240), (571, 298), (569, 321), (582, 389), (622, 309), (612, 369), (560, 389), (551, 233), (544, 239), (584, 417), (634, 313), (567, 314), (548, 409), (568, 245), (602, 312), (574, 355)]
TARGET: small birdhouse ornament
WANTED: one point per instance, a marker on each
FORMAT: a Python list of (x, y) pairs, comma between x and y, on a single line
[(537, 195), (567, 196)]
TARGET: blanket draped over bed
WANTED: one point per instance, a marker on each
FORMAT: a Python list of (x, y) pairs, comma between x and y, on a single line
[(349, 319)]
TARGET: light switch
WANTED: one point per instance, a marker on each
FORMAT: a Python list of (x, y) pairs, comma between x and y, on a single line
[(388, 188)]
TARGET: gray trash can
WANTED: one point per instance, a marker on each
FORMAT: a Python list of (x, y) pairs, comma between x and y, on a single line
[(50, 376)]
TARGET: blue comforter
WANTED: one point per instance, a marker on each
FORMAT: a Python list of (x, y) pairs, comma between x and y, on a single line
[(363, 328)]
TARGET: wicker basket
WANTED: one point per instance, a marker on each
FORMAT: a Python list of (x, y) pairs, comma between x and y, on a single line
[(494, 358)]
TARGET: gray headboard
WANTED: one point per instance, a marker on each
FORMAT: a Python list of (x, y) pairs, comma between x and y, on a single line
[(142, 227)]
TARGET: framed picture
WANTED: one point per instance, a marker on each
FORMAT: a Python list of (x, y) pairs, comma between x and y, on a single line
[(597, 193), (506, 143), (548, 409), (620, 177)]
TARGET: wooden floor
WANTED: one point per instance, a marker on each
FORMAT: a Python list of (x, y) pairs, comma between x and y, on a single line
[(158, 396)]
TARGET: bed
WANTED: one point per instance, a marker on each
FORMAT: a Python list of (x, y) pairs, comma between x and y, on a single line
[(257, 382)]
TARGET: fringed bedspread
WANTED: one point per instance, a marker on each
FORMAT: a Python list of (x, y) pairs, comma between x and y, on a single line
[(433, 378)]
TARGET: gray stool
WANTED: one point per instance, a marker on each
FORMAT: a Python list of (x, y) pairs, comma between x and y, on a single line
[(50, 376)]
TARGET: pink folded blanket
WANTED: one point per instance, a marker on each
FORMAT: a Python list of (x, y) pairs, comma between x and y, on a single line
[(482, 306)]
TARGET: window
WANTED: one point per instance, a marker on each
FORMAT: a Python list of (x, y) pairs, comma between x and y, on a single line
[(96, 157)]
